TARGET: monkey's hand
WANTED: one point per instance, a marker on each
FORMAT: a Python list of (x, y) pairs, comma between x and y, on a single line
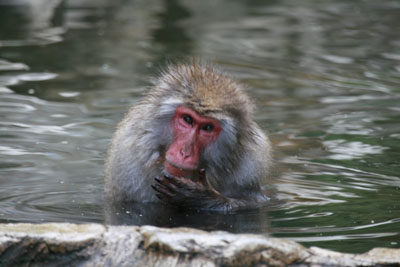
[(183, 192)]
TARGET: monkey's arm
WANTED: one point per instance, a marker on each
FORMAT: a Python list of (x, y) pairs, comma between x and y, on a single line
[(183, 192)]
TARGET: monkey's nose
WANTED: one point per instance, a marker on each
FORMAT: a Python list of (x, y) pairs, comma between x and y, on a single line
[(185, 152)]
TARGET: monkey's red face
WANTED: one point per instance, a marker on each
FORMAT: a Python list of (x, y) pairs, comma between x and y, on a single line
[(192, 133)]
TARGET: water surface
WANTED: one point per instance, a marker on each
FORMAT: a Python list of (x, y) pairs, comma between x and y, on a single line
[(325, 76)]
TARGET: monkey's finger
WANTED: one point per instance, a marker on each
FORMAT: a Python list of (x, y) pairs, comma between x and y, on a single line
[(159, 196), (181, 182), (162, 190), (169, 177), (158, 180), (156, 187), (162, 181), (166, 183), (173, 180)]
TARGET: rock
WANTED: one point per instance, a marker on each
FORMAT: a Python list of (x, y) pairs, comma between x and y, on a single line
[(222, 248), (64, 244), (52, 243)]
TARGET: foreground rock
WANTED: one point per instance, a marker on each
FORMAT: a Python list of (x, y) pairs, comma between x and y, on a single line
[(97, 245)]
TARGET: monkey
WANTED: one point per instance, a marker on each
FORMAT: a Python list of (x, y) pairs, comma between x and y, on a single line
[(192, 143)]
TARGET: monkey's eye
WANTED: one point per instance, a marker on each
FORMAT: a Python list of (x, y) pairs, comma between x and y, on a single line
[(188, 119), (208, 127)]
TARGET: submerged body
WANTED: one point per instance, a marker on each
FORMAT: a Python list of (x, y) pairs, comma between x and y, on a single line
[(190, 142)]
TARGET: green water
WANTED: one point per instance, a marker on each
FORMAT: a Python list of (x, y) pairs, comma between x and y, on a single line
[(325, 76)]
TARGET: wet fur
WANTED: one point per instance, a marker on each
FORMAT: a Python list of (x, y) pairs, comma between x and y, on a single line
[(235, 164)]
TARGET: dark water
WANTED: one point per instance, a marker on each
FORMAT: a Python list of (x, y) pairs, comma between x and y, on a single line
[(325, 76)]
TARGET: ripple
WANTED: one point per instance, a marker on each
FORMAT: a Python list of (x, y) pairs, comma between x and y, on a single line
[(350, 99), (43, 76), (344, 150), (337, 59), (391, 56), (11, 151), (10, 66), (35, 128), (5, 90), (343, 237), (16, 107), (56, 206)]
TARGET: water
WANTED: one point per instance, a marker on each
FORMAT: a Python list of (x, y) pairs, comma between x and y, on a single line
[(325, 76)]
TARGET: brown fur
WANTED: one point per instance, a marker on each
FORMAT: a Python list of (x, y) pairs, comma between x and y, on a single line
[(235, 164)]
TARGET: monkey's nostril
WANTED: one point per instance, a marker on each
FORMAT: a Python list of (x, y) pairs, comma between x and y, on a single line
[(185, 152)]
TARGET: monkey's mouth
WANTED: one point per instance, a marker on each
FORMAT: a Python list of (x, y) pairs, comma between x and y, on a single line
[(178, 171)]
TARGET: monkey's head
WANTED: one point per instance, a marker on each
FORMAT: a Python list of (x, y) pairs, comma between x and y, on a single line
[(207, 115)]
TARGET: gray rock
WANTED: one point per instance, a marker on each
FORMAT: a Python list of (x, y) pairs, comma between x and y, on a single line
[(64, 244)]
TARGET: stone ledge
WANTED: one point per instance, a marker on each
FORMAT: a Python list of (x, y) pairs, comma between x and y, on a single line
[(98, 245)]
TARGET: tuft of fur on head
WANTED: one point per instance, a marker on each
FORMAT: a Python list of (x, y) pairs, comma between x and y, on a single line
[(205, 89)]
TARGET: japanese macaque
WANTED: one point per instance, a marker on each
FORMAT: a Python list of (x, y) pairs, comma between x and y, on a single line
[(191, 142)]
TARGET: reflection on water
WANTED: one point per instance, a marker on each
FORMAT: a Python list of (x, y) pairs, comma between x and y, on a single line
[(158, 215), (343, 150), (325, 76)]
